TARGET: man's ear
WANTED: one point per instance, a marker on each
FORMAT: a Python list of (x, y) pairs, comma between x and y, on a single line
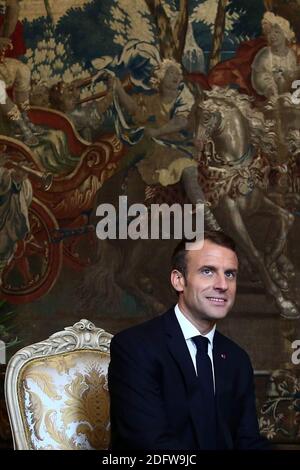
[(177, 280)]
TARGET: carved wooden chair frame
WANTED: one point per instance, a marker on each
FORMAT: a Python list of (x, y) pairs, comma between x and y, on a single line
[(82, 335)]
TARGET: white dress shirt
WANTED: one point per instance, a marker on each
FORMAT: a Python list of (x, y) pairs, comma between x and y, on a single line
[(189, 330)]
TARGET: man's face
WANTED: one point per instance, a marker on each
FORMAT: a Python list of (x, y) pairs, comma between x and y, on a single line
[(68, 97), (172, 78), (276, 36), (208, 291)]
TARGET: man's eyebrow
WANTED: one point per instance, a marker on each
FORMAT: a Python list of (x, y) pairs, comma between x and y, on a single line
[(214, 268), (211, 266), (207, 266)]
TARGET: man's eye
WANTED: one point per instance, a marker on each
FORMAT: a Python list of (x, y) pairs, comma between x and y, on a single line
[(230, 274), (206, 271)]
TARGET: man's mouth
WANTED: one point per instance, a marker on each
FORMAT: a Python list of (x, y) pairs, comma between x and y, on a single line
[(217, 300)]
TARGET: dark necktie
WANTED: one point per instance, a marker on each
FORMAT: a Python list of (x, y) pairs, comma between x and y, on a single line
[(206, 387)]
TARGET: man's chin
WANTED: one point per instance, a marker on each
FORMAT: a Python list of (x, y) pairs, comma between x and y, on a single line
[(217, 313)]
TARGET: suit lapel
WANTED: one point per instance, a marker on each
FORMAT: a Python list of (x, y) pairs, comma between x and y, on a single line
[(222, 367), (220, 363), (179, 350)]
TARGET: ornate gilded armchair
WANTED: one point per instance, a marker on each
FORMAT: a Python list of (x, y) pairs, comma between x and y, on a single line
[(56, 391)]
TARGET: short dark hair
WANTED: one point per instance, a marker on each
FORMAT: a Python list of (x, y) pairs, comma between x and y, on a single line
[(179, 255)]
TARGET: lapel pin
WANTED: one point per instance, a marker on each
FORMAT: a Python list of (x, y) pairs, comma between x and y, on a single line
[(223, 356)]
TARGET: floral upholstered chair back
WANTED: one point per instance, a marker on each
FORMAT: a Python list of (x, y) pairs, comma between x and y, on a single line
[(56, 391)]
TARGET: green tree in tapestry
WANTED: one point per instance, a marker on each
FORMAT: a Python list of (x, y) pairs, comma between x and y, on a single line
[(102, 28), (249, 15)]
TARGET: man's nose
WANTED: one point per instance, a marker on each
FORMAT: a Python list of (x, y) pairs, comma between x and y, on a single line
[(221, 282)]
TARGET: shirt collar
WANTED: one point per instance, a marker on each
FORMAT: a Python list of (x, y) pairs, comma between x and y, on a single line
[(189, 330)]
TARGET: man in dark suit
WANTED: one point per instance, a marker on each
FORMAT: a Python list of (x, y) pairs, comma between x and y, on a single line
[(175, 382)]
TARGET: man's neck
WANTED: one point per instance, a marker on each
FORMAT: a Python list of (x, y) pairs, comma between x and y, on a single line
[(168, 94), (280, 50), (203, 326)]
